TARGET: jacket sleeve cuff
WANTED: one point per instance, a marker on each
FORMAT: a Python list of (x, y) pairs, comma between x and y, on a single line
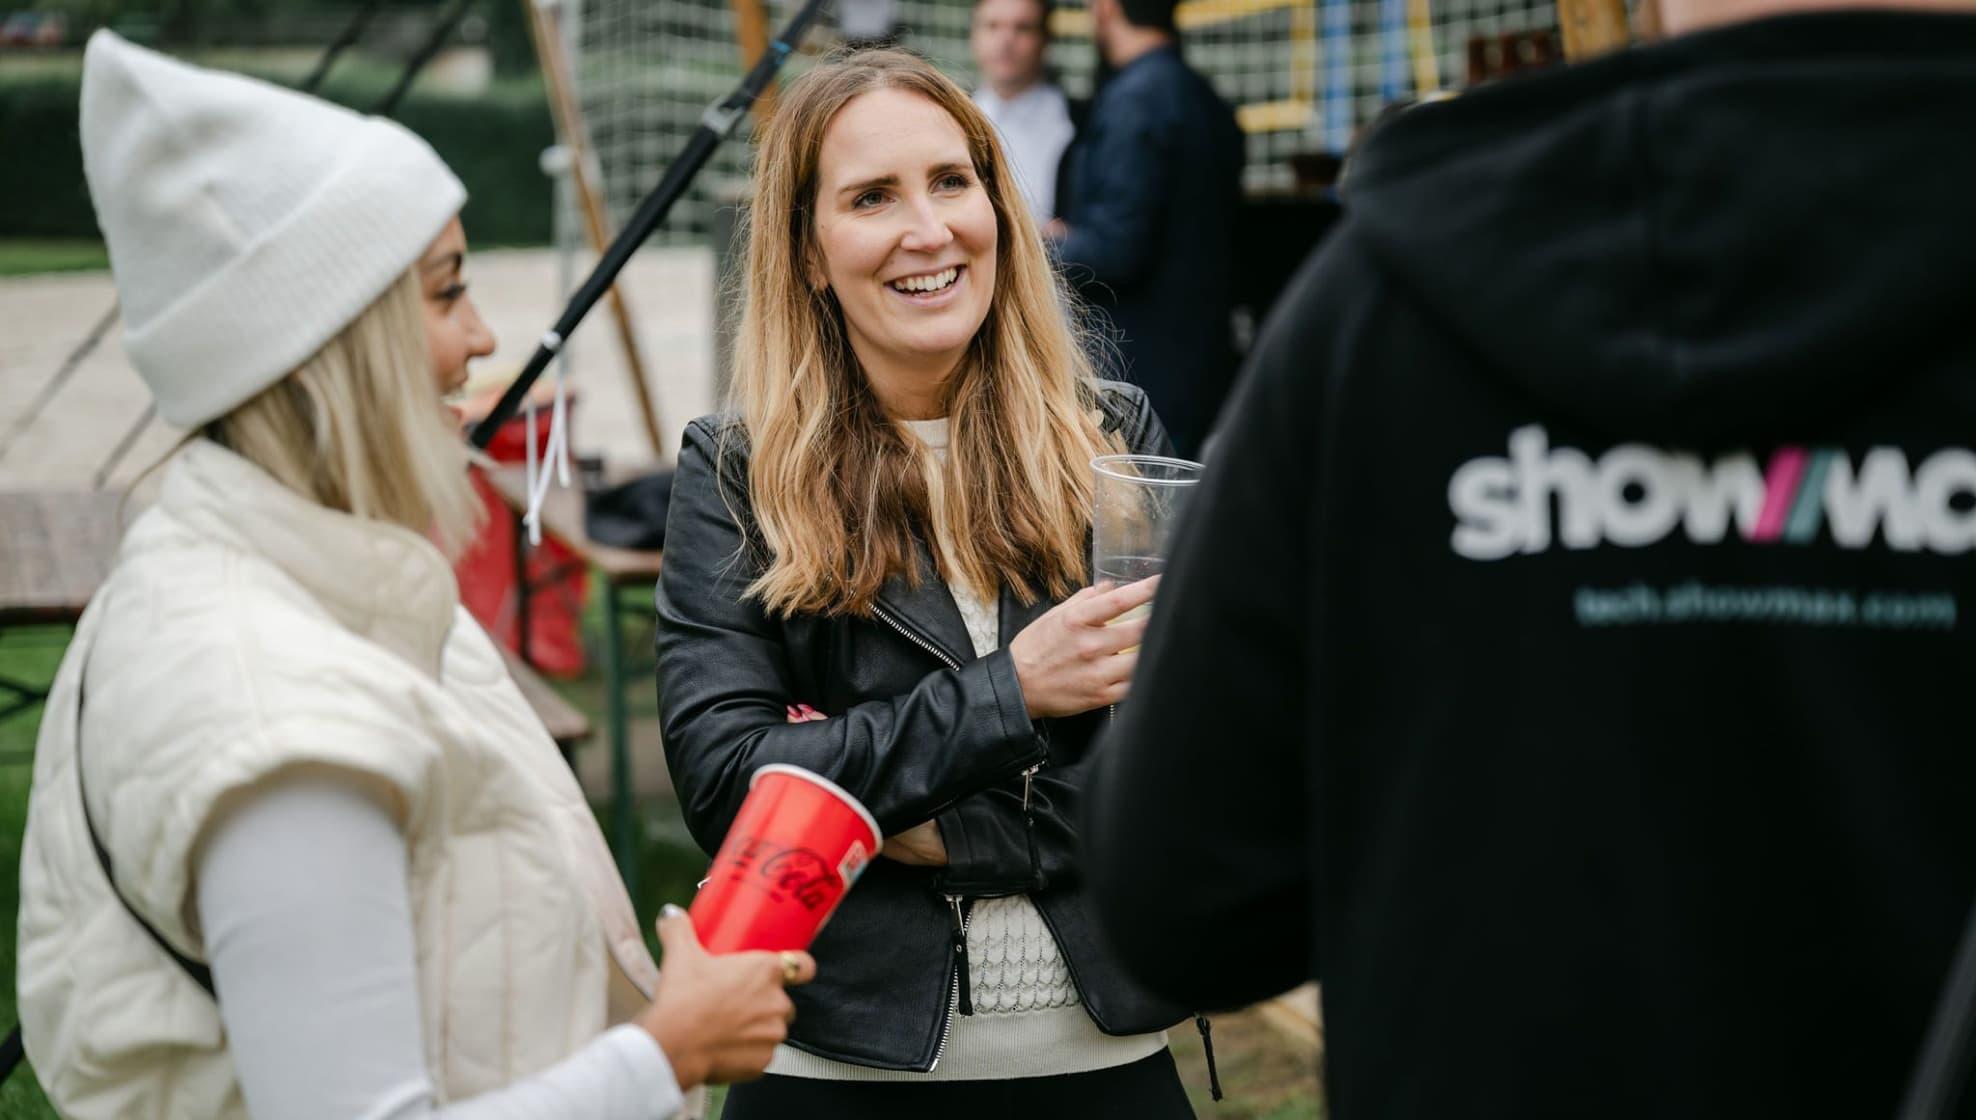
[(1011, 709), (964, 848), (987, 850)]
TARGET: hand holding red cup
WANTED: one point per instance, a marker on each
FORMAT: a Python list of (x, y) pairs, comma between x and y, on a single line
[(793, 851)]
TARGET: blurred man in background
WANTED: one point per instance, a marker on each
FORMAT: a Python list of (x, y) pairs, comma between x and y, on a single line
[(1149, 236), (1009, 39)]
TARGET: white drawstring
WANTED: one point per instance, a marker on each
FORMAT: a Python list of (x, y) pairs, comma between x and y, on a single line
[(528, 517), (555, 459)]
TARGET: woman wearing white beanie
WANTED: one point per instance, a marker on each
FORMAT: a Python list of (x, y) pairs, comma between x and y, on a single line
[(297, 847)]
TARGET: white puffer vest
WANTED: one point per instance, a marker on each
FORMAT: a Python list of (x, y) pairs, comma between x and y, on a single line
[(246, 630)]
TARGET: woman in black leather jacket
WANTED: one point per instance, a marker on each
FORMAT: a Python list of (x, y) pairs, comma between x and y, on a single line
[(876, 571)]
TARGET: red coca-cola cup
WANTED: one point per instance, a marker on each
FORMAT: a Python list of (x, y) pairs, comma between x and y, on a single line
[(796, 847)]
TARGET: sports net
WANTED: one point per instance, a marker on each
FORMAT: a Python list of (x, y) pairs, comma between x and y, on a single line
[(1302, 74)]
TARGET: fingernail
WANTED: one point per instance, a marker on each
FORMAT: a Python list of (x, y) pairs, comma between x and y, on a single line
[(671, 911)]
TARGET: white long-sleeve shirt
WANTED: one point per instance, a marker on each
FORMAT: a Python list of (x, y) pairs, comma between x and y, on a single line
[(303, 898)]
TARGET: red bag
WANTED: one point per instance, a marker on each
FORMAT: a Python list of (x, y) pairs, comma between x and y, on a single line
[(557, 577)]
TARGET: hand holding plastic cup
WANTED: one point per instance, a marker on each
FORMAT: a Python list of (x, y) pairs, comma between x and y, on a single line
[(1136, 502), (792, 853)]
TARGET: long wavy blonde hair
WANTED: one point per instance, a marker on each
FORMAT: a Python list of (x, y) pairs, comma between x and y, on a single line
[(839, 492)]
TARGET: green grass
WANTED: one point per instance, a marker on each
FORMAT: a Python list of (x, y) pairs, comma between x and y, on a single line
[(1264, 1076), (29, 655), (27, 256)]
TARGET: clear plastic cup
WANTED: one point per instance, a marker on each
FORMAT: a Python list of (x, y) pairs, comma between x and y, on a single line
[(1136, 503)]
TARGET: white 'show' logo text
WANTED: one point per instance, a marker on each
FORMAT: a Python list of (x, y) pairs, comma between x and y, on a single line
[(1636, 495)]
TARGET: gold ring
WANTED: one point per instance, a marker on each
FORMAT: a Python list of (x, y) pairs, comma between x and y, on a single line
[(792, 967)]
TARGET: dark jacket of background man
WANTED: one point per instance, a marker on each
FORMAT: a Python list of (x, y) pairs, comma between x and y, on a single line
[(1567, 660), (1155, 187)]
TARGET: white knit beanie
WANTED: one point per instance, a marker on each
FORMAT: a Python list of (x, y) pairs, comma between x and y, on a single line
[(247, 224)]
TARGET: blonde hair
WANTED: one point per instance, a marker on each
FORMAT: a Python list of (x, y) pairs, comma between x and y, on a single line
[(838, 490), (360, 428)]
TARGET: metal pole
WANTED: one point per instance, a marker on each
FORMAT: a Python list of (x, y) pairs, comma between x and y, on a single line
[(751, 32), (719, 120), (569, 126), (434, 40)]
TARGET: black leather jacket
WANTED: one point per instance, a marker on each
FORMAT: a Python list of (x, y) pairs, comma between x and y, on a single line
[(919, 729)]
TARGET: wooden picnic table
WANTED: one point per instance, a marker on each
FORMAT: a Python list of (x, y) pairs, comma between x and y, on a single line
[(56, 548)]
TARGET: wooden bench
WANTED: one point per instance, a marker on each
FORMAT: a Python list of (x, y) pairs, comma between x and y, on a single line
[(56, 548)]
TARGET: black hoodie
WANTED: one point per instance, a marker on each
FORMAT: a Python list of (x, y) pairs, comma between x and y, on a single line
[(1567, 658)]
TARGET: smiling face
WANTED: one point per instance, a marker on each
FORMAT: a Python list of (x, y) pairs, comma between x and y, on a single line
[(454, 331), (905, 239)]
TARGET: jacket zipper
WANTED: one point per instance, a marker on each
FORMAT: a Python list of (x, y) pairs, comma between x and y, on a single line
[(1207, 1048), (885, 616), (1029, 827), (963, 987), (961, 1001), (1028, 776)]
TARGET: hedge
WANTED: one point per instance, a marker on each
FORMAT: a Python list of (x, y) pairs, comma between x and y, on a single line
[(492, 141)]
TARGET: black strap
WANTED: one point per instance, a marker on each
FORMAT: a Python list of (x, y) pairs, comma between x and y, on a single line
[(11, 1053), (200, 974), (11, 1050), (1947, 1053)]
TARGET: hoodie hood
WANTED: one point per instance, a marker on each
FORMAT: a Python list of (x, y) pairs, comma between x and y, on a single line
[(1719, 236)]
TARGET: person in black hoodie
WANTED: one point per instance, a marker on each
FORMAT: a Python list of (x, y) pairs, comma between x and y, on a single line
[(1565, 659)]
